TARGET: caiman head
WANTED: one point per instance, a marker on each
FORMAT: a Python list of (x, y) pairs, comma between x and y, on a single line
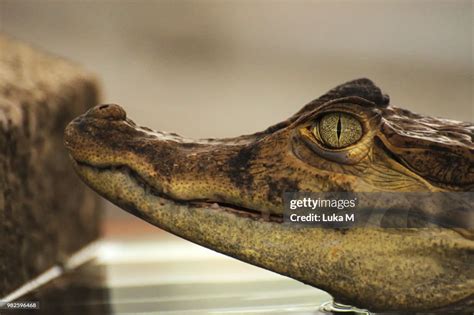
[(226, 194)]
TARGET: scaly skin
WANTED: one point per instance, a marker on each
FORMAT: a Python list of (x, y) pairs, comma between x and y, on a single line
[(226, 194)]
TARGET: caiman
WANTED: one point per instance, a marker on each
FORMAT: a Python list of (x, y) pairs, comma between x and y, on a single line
[(226, 194)]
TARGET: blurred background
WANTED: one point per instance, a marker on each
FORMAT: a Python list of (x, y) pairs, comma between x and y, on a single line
[(225, 68)]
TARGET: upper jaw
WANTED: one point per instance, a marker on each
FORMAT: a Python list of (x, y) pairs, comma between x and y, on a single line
[(253, 214), (169, 165)]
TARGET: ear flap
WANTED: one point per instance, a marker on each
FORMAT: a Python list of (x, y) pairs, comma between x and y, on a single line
[(363, 88)]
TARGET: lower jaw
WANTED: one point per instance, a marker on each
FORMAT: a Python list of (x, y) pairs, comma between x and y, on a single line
[(271, 245)]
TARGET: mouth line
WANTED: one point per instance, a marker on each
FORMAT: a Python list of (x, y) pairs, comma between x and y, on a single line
[(195, 203)]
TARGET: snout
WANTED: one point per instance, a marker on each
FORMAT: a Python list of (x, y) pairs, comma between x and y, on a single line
[(87, 136)]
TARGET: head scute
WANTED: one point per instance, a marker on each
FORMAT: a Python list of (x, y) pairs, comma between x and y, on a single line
[(360, 91), (360, 88)]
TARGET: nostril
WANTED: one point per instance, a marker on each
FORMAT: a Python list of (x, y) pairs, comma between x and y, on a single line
[(107, 111)]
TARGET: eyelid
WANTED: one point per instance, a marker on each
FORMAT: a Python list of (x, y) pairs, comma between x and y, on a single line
[(343, 155), (315, 130)]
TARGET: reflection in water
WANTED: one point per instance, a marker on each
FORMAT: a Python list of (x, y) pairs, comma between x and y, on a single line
[(171, 276), (80, 291)]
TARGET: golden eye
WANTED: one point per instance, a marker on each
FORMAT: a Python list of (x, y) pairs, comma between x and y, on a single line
[(337, 130)]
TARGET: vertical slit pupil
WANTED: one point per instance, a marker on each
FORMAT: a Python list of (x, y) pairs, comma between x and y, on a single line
[(339, 127)]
